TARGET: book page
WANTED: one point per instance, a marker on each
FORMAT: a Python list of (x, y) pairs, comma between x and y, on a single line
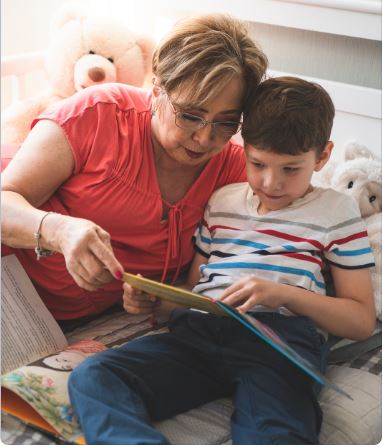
[(173, 294), (28, 329)]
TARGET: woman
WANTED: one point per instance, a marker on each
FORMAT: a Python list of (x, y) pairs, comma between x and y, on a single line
[(116, 178)]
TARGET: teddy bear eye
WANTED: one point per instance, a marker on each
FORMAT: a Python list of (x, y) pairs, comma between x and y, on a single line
[(350, 184), (91, 52), (110, 59), (372, 199)]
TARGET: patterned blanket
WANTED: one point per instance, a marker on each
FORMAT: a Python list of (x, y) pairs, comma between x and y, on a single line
[(15, 432)]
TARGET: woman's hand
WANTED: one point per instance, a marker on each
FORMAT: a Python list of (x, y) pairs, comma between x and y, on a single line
[(137, 302), (250, 290), (86, 248)]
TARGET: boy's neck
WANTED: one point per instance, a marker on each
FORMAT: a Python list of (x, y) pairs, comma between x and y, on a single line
[(262, 210)]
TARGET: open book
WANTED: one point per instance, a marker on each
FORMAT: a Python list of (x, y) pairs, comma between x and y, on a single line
[(196, 301), (37, 358)]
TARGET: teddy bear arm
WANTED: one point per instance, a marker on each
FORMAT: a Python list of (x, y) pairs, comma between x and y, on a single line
[(17, 118)]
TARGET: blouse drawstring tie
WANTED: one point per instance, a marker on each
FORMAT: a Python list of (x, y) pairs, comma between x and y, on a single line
[(174, 247)]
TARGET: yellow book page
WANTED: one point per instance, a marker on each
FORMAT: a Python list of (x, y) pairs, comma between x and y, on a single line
[(173, 294)]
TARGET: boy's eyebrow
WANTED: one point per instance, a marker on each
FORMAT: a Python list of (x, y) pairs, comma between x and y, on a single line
[(292, 162)]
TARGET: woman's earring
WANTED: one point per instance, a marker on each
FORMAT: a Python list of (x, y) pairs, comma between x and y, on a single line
[(153, 111)]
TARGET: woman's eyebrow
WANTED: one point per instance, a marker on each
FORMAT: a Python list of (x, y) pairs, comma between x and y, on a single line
[(201, 109)]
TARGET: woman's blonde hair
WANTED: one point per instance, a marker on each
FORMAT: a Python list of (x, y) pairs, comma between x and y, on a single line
[(203, 53)]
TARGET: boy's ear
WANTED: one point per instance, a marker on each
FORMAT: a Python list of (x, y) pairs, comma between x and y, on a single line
[(324, 156)]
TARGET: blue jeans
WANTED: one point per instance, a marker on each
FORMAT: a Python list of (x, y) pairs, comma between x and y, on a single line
[(117, 394)]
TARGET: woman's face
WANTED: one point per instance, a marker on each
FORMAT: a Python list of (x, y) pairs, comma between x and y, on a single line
[(194, 147)]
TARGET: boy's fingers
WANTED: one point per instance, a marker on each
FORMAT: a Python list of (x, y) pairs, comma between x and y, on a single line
[(231, 289)]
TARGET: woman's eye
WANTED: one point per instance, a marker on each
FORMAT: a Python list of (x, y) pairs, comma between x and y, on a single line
[(372, 199), (190, 118), (350, 184), (257, 165), (228, 126)]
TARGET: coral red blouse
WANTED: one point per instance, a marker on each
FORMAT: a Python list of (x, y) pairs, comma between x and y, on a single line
[(114, 184)]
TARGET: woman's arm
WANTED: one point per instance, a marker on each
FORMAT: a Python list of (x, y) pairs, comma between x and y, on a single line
[(350, 314), (41, 165)]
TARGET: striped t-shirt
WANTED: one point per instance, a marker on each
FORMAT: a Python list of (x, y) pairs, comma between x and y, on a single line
[(285, 246)]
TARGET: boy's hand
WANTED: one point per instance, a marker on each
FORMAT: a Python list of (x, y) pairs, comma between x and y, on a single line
[(250, 290), (138, 302)]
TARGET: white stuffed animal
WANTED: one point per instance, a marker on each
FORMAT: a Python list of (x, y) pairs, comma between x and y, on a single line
[(84, 50), (360, 176)]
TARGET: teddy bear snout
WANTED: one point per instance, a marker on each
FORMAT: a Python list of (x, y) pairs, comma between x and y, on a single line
[(93, 69), (96, 74)]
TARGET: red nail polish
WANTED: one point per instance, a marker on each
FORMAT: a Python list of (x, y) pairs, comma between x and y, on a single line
[(119, 275)]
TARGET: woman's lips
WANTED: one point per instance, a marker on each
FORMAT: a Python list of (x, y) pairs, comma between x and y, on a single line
[(193, 154)]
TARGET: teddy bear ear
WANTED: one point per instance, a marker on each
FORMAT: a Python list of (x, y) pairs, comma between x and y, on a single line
[(68, 12), (353, 150), (147, 47)]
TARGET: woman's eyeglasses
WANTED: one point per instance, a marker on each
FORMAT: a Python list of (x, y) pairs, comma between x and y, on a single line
[(190, 122)]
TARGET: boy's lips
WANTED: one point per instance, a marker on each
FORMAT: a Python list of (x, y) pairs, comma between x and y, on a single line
[(272, 197)]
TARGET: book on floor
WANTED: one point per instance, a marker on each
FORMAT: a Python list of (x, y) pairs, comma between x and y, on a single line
[(37, 357)]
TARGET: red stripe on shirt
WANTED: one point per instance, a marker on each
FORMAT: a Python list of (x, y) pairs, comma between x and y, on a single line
[(290, 237), (352, 237), (214, 227), (304, 258)]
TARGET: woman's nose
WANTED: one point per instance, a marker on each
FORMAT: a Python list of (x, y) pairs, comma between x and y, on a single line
[(204, 136)]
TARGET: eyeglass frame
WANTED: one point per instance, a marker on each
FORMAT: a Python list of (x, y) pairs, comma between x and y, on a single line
[(202, 122)]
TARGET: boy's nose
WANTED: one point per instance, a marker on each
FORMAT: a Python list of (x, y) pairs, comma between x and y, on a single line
[(272, 181)]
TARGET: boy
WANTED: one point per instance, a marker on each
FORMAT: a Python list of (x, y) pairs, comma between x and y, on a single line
[(260, 249)]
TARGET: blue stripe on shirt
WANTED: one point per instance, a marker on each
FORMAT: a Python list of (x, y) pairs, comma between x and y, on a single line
[(240, 242), (361, 251)]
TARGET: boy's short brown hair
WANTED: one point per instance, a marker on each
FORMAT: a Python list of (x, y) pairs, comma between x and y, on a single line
[(288, 115)]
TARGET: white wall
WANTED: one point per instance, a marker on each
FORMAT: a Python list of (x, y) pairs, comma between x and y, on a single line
[(334, 40)]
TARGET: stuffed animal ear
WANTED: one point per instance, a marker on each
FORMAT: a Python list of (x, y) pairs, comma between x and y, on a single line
[(353, 150), (68, 12), (147, 47)]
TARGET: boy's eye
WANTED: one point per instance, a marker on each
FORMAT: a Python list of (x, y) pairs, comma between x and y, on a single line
[(289, 169)]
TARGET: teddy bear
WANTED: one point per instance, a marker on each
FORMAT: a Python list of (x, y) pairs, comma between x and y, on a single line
[(360, 176), (84, 50)]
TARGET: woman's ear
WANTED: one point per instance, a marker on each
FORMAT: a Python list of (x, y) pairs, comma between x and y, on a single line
[(324, 156), (156, 89)]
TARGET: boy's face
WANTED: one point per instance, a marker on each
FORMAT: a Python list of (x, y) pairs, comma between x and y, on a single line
[(280, 179)]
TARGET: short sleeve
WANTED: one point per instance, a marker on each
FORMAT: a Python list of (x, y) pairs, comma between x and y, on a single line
[(94, 118), (347, 244)]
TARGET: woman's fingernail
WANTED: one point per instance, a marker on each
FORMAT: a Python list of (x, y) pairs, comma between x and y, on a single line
[(119, 275)]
